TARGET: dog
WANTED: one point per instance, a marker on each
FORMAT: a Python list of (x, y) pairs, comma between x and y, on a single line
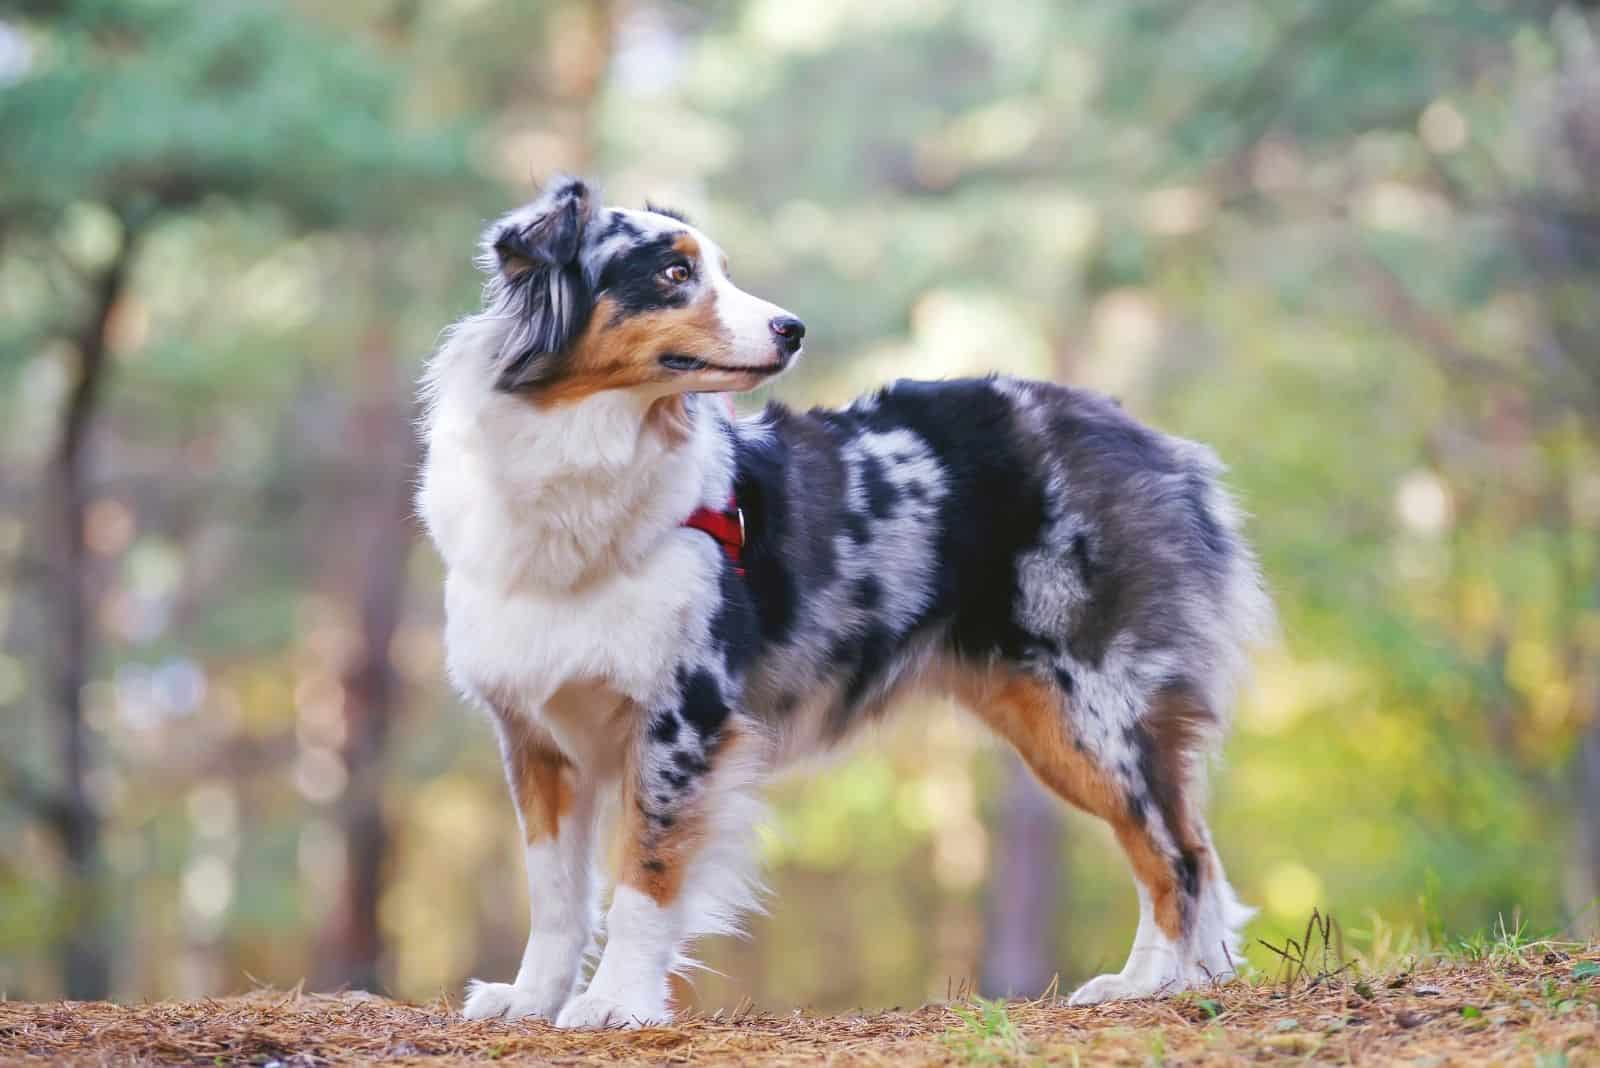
[(659, 605)]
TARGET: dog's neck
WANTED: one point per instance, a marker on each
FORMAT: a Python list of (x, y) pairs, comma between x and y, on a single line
[(523, 497)]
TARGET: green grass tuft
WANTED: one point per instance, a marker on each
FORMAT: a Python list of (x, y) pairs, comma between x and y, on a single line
[(988, 1035)]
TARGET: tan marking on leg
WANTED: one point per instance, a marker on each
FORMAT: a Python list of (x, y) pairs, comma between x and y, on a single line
[(1177, 725), (541, 778), (656, 858), (1155, 872), (1032, 715)]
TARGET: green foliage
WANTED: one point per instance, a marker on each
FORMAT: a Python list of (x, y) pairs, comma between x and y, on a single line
[(148, 105), (987, 1035)]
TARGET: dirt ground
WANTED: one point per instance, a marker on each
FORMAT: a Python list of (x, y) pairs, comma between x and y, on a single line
[(1536, 1006)]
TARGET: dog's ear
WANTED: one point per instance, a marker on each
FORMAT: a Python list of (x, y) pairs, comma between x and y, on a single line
[(546, 234), (541, 282)]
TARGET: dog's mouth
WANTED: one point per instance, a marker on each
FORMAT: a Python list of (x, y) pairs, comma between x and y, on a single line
[(677, 361)]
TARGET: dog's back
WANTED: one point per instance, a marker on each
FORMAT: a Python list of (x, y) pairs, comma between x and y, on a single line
[(960, 523)]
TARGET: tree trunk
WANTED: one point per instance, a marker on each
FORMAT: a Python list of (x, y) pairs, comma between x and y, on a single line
[(382, 431), (1589, 787), (1024, 889), (1588, 814), (86, 945)]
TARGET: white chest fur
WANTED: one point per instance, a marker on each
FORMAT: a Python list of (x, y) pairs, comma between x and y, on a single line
[(568, 570), (614, 640)]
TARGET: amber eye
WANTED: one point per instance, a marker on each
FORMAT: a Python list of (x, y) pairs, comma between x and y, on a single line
[(677, 274)]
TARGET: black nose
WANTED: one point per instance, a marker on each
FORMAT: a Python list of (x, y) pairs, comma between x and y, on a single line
[(789, 331)]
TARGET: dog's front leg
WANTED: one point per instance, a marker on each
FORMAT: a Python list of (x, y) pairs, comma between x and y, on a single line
[(555, 806), (687, 816)]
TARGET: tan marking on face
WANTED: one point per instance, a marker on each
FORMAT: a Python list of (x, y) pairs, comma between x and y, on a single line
[(1031, 714), (624, 355), (541, 779)]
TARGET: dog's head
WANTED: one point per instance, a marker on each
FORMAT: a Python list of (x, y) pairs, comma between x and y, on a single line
[(604, 299)]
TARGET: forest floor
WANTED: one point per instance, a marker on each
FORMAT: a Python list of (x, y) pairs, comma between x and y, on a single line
[(1535, 1005)]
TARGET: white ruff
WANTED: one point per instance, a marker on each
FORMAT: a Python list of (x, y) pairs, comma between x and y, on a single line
[(561, 533), (529, 499)]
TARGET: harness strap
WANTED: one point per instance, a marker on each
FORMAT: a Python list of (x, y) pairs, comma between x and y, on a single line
[(726, 526)]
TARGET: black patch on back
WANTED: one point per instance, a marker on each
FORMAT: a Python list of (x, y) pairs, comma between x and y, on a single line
[(993, 510), (881, 494), (855, 525)]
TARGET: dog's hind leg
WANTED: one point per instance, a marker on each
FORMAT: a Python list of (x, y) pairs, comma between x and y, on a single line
[(687, 819), (555, 807), (1145, 783)]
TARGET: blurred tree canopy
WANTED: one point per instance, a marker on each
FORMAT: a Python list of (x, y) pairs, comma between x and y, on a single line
[(1353, 246)]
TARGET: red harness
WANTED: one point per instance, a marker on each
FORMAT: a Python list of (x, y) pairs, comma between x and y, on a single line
[(726, 526)]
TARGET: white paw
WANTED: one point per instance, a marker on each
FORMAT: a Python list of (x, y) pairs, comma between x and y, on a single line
[(591, 1010), (1123, 988), (502, 1001)]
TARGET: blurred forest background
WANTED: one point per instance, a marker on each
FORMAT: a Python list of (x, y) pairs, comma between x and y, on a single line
[(1354, 245)]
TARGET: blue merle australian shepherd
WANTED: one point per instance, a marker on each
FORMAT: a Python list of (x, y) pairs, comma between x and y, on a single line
[(660, 605)]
